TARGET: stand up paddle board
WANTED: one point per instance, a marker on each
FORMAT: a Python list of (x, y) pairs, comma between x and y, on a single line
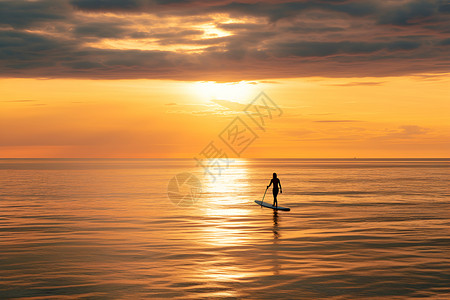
[(271, 206)]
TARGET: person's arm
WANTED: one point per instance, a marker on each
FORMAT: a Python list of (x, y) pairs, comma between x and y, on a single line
[(270, 183), (281, 189)]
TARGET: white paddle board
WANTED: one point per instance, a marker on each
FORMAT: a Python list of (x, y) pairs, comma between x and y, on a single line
[(271, 206)]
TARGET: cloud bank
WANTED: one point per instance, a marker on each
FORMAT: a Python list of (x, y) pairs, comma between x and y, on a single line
[(222, 40)]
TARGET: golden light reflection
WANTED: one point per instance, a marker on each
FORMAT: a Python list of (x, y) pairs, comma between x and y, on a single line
[(229, 226), (224, 206), (223, 212), (223, 195)]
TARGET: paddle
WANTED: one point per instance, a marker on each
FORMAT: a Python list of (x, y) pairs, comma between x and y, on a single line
[(264, 196)]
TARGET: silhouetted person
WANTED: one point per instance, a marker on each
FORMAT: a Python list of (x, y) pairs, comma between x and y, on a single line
[(276, 182)]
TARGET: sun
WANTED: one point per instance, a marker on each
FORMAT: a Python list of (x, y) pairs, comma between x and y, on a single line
[(232, 91)]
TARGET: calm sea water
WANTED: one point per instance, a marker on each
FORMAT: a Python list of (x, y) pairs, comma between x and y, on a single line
[(105, 229)]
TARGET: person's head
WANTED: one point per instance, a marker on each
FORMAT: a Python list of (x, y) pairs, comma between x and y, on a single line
[(274, 175)]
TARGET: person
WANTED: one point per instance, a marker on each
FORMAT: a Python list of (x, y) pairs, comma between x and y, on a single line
[(276, 182)]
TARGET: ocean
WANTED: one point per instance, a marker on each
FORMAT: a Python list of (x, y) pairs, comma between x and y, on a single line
[(130, 229)]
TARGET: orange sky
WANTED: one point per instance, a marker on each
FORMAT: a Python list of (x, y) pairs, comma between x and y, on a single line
[(141, 78), (364, 117)]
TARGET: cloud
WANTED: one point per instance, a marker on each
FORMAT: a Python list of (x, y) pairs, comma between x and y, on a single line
[(413, 12), (359, 83), (445, 42), (405, 132), (221, 40), (107, 5), (101, 30), (269, 81), (408, 130), (19, 101), (231, 105), (22, 14), (318, 49), (203, 109), (336, 121)]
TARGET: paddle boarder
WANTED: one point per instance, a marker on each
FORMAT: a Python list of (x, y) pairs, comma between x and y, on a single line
[(276, 182)]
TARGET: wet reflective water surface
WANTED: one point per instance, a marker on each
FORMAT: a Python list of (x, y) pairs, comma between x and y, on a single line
[(106, 229)]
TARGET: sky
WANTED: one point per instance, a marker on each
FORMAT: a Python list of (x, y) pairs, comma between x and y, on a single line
[(143, 79)]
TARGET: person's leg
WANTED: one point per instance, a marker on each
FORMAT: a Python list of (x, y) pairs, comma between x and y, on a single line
[(275, 194)]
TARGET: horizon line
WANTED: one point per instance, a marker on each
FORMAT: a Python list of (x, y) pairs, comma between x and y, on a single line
[(279, 158)]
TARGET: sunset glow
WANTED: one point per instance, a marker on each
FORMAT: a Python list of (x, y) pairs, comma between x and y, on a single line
[(144, 79), (245, 149), (232, 91)]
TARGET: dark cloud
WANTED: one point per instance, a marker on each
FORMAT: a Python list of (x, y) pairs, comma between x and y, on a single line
[(102, 30), (240, 26), (270, 39), (20, 14), (177, 34), (107, 5), (308, 49), (410, 13), (445, 42), (275, 11), (444, 6)]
